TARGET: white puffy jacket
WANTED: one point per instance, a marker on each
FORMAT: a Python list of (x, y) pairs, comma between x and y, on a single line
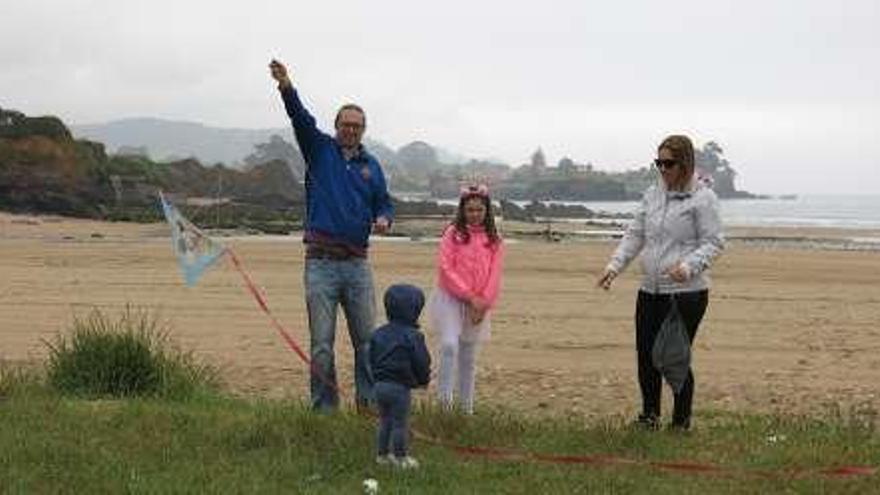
[(669, 228)]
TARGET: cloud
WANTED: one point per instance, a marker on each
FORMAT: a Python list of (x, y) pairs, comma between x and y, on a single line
[(599, 82)]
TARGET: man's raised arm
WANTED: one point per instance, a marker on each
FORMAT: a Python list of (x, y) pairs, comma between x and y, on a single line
[(304, 126)]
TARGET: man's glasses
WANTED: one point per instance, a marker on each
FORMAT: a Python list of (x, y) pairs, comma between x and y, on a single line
[(665, 164), (353, 126)]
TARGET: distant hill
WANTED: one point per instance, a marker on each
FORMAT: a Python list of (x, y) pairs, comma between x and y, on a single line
[(168, 140), (44, 169), (408, 168), (417, 167)]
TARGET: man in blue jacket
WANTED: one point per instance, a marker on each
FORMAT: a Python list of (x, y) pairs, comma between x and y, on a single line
[(346, 200)]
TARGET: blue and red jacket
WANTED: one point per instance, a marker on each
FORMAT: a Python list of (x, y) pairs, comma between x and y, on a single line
[(343, 197)]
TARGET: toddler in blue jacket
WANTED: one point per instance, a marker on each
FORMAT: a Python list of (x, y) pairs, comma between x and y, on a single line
[(399, 361)]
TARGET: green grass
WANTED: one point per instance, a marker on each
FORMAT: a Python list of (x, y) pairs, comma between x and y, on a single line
[(216, 444), (187, 436)]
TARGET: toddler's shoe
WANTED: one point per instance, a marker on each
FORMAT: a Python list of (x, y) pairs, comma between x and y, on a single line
[(405, 462)]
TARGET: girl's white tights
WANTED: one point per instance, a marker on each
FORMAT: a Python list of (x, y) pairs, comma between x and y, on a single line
[(459, 357)]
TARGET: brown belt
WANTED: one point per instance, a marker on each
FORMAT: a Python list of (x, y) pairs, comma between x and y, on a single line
[(330, 253)]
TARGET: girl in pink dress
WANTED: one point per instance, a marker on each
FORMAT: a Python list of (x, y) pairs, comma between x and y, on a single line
[(468, 282)]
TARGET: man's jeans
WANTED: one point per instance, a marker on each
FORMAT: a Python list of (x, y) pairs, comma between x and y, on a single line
[(329, 283), (393, 400)]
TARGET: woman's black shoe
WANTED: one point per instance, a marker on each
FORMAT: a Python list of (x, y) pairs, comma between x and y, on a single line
[(680, 426), (648, 422)]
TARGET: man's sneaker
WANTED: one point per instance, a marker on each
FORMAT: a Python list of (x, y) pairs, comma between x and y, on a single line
[(405, 462), (385, 460)]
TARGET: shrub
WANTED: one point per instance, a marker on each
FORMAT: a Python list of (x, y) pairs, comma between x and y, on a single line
[(127, 357)]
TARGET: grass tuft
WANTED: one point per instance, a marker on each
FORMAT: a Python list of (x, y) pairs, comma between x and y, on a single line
[(19, 381), (129, 356)]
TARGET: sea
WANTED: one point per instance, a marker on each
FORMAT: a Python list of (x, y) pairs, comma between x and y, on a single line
[(837, 211)]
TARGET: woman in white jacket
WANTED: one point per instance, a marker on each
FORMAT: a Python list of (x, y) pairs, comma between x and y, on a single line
[(677, 230)]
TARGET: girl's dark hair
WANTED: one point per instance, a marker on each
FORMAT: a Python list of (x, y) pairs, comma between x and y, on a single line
[(460, 223)]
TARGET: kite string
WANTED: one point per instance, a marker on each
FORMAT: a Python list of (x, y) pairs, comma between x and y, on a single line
[(518, 455), (263, 302)]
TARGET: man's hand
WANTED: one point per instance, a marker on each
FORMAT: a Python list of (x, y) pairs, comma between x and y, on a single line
[(279, 73), (382, 226)]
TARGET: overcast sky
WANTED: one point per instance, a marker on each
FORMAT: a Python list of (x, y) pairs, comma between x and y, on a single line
[(791, 89)]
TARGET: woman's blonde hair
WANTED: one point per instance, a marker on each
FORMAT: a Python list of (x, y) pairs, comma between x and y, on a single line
[(682, 150)]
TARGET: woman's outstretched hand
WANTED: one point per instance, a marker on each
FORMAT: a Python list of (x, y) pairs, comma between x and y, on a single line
[(606, 279)]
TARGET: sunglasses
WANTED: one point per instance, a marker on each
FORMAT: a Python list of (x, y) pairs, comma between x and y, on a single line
[(665, 164)]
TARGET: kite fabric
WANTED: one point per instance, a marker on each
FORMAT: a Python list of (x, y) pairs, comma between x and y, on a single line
[(195, 251)]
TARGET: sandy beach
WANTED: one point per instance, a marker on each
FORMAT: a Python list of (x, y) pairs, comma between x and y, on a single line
[(788, 329)]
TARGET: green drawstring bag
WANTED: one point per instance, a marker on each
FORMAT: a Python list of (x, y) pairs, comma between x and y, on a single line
[(671, 353)]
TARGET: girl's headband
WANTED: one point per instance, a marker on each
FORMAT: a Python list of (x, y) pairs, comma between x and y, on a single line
[(481, 190)]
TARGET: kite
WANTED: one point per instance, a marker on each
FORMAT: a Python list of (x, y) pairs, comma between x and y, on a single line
[(195, 251)]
